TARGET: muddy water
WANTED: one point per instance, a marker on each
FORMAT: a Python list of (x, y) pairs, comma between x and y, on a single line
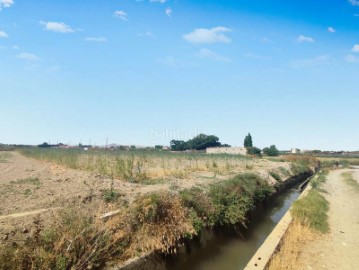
[(229, 250)]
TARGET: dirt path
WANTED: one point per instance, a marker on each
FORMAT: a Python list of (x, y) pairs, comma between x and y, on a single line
[(30, 213), (340, 248)]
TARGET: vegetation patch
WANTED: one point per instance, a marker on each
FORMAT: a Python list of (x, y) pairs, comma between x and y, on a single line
[(4, 157), (31, 183), (138, 166), (228, 202), (291, 247), (312, 210), (275, 175), (73, 241), (319, 179), (348, 177), (158, 222)]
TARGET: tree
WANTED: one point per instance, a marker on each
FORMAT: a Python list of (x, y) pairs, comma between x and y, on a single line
[(177, 145), (271, 151), (203, 141), (253, 151), (248, 141), (45, 145), (200, 142)]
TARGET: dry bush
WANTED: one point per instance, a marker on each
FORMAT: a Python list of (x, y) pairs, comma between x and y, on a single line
[(158, 222), (288, 256), (75, 240), (303, 159)]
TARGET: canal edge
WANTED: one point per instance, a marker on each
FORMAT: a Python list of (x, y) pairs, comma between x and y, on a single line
[(264, 254)]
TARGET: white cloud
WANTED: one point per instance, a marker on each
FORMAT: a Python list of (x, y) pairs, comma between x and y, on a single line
[(3, 34), (169, 12), (331, 30), (354, 2), (311, 62), (356, 15), (302, 38), (120, 14), (350, 58), (6, 3), (15, 47), (158, 1), (29, 57), (355, 48), (96, 39), (213, 35), (206, 53), (58, 27)]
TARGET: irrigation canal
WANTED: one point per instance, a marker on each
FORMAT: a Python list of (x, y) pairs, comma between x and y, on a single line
[(227, 249)]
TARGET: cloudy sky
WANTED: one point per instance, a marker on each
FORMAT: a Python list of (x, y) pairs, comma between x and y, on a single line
[(145, 72)]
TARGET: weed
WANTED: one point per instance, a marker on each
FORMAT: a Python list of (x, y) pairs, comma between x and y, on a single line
[(110, 195)]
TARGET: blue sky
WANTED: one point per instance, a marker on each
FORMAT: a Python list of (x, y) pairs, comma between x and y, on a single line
[(145, 72)]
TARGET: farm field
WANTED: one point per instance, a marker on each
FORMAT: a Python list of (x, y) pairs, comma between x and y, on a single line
[(38, 187)]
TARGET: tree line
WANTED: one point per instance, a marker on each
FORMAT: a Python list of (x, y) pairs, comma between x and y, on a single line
[(203, 141)]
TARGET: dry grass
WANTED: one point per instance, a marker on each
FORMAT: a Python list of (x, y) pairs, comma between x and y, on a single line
[(297, 236), (78, 239), (349, 179), (141, 166)]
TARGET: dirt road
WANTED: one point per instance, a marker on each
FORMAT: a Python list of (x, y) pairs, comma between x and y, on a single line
[(340, 248)]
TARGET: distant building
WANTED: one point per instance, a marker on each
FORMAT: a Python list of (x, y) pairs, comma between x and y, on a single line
[(295, 151), (227, 150)]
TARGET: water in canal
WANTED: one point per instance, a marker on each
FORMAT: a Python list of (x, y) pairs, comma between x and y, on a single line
[(227, 250)]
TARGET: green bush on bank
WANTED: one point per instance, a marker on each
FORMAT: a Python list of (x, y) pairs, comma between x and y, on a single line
[(228, 202)]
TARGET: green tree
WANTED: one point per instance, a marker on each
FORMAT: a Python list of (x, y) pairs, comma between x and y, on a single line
[(203, 141), (271, 151), (248, 141), (253, 151), (177, 145)]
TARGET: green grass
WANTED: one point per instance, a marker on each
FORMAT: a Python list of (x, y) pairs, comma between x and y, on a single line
[(348, 177), (312, 210), (319, 179)]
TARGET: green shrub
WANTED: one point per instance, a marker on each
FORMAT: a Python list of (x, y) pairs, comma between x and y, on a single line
[(275, 175), (271, 151)]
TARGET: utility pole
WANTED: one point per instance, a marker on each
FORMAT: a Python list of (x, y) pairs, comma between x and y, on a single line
[(106, 143)]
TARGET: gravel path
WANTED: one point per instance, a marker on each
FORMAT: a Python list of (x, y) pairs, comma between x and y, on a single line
[(340, 248)]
